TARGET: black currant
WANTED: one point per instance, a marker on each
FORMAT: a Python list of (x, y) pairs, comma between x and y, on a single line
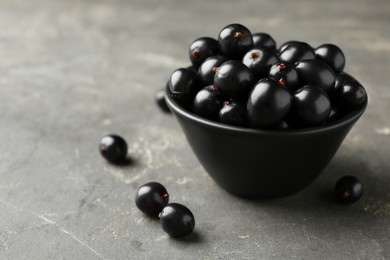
[(233, 113), (331, 55), (262, 39), (260, 61), (207, 103), (348, 92), (234, 79), (113, 148), (268, 103), (160, 100), (348, 189), (317, 73), (177, 220), (311, 105), (183, 86), (234, 41), (285, 74), (201, 49), (296, 51), (208, 68), (285, 45), (151, 198)]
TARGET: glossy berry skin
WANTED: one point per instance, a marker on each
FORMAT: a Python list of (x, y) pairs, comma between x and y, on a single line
[(151, 198), (286, 44), (233, 113), (183, 85), (208, 68), (207, 103), (234, 41), (296, 51), (285, 74), (331, 55), (113, 148), (268, 104), (259, 61), (348, 92), (160, 101), (201, 49), (311, 105), (234, 79), (317, 73), (177, 220), (334, 114), (262, 39), (348, 189)]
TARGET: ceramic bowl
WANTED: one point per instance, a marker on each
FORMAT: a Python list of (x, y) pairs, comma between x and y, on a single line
[(256, 163)]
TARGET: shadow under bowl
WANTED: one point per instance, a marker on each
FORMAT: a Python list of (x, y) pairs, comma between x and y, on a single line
[(256, 163)]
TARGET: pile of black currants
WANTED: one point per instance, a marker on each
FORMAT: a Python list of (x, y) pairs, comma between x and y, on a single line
[(242, 79)]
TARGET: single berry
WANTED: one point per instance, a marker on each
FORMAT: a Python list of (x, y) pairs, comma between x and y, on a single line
[(331, 55), (151, 198), (234, 79), (183, 86), (259, 61), (285, 74), (207, 103), (317, 73), (348, 189), (268, 104), (201, 49), (348, 92), (233, 113), (177, 220), (234, 41), (208, 68), (160, 100), (296, 51), (261, 40), (113, 148), (311, 105)]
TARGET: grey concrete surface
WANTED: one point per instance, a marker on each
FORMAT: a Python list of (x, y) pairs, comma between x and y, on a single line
[(73, 71)]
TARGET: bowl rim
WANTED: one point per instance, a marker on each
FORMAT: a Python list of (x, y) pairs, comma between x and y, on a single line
[(177, 109)]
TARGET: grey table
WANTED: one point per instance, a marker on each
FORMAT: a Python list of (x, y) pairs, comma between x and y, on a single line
[(73, 71)]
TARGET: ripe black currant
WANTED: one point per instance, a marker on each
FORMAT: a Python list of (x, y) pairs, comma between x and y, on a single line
[(317, 73), (201, 49), (151, 198), (177, 220), (331, 55), (207, 103), (262, 39), (234, 41), (348, 92), (348, 189), (268, 103), (296, 51), (311, 105), (208, 68), (113, 148), (234, 79), (285, 74), (233, 113), (183, 86), (259, 61)]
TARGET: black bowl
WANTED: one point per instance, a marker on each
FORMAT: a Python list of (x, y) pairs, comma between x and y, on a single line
[(256, 163)]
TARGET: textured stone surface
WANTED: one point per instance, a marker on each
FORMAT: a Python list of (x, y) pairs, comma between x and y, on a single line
[(73, 71)]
